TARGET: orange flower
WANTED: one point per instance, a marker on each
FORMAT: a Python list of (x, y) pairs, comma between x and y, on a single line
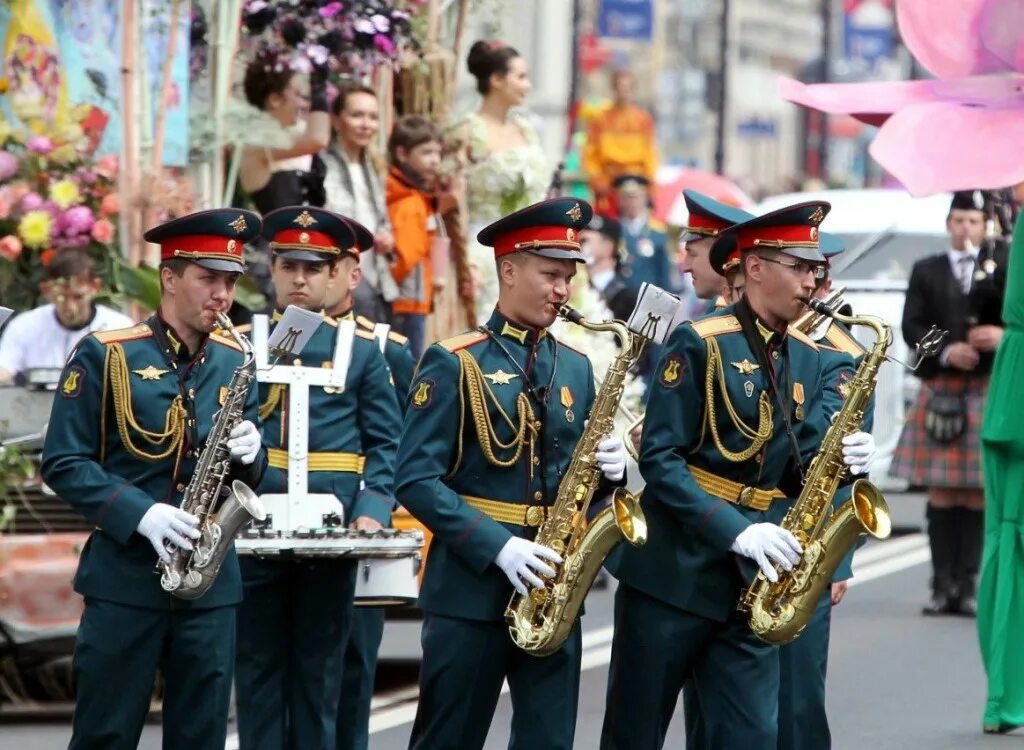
[(46, 257), (103, 231), (110, 204), (10, 247)]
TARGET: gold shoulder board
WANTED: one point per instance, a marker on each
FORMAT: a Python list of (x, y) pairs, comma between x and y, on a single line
[(803, 339), (716, 326), (462, 340), (226, 341), (140, 331)]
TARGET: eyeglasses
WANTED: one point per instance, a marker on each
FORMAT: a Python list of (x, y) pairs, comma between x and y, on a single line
[(801, 267)]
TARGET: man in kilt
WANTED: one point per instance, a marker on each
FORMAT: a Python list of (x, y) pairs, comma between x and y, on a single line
[(960, 290)]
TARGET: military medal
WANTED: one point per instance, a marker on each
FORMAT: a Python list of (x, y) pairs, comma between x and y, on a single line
[(150, 373), (567, 402), (798, 396), (748, 388), (500, 377), (645, 247)]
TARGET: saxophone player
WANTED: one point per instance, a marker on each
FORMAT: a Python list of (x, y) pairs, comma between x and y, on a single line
[(294, 620), (134, 408), (712, 454), (492, 420)]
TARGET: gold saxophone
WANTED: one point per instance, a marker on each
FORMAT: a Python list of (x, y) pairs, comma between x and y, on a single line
[(778, 612), (541, 621), (221, 513)]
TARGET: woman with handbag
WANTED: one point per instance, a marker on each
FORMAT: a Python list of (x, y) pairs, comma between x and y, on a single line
[(960, 291)]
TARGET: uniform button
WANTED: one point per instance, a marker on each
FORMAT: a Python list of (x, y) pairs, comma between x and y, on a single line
[(180, 487), (538, 495), (297, 362), (191, 392), (536, 425), (775, 355), (536, 460)]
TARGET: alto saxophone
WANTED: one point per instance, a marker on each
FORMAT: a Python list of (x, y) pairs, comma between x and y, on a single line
[(190, 574), (778, 612), (540, 621)]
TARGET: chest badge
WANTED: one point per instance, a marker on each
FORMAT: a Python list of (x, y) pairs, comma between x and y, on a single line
[(567, 401), (798, 398), (500, 377), (745, 367), (151, 373), (748, 388)]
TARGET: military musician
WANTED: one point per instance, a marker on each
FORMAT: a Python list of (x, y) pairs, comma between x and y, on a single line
[(492, 420), (134, 407)]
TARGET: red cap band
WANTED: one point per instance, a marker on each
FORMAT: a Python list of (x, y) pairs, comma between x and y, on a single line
[(305, 239), (198, 246), (800, 235), (534, 238), (706, 225)]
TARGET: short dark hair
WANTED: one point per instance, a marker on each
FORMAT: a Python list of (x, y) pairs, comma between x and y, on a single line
[(487, 58), (67, 264), (412, 131), (267, 74), (346, 91)]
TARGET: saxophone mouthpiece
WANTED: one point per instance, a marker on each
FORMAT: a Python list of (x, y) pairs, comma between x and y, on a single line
[(818, 306), (571, 314)]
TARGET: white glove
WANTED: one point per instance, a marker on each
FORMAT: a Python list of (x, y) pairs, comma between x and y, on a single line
[(858, 452), (244, 442), (611, 458), (519, 558), (164, 523), (767, 544)]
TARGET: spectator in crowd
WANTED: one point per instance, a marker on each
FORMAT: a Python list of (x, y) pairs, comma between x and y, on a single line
[(44, 336)]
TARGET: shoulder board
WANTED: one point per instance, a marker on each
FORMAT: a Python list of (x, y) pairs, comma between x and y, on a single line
[(562, 343), (716, 325), (330, 321), (802, 338), (463, 340), (365, 322), (370, 325), (225, 341), (843, 341), (244, 328), (364, 334), (140, 331), (398, 338)]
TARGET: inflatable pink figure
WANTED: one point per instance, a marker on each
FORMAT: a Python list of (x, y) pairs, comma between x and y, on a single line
[(961, 130)]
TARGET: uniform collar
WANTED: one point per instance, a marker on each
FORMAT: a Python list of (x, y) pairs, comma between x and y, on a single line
[(506, 328), (276, 315), (171, 343), (773, 337), (349, 314)]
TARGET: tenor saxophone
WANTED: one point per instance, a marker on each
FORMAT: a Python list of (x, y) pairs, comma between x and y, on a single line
[(778, 612), (540, 621), (190, 574)]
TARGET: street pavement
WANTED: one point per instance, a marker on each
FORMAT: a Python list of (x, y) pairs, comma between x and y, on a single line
[(896, 679)]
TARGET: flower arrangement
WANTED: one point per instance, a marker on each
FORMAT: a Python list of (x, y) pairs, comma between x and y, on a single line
[(358, 35), (53, 196)]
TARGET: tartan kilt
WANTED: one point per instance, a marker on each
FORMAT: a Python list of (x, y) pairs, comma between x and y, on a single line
[(923, 461)]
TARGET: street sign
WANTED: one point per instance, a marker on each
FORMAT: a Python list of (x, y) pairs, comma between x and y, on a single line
[(626, 19), (868, 30)]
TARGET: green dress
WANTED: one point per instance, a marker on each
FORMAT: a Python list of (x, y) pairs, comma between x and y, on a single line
[(1001, 592)]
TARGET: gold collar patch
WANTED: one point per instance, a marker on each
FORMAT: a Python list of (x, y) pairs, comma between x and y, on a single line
[(519, 334)]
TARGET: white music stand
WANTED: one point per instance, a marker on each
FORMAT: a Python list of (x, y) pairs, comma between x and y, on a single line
[(297, 508)]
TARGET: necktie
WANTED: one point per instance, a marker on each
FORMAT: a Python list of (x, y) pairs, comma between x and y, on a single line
[(965, 271)]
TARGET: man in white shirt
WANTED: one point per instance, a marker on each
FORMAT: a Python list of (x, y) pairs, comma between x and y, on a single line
[(44, 336)]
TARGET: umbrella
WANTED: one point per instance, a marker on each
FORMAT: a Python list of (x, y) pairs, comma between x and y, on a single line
[(669, 206)]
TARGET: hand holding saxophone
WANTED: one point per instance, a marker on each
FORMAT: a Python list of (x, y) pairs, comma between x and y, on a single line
[(520, 558), (164, 524), (768, 545), (858, 452), (611, 458), (244, 442)]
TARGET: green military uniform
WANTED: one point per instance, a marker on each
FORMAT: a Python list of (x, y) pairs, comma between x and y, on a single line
[(130, 418), (714, 450), (360, 661), (492, 420), (294, 619)]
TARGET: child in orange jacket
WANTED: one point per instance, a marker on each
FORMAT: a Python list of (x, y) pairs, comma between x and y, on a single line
[(415, 152)]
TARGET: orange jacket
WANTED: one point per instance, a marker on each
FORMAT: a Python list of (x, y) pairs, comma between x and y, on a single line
[(412, 218), (620, 140)]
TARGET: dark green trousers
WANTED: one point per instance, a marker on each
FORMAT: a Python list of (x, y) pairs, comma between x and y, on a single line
[(464, 665), (657, 647), (292, 626), (360, 668), (117, 654), (803, 723)]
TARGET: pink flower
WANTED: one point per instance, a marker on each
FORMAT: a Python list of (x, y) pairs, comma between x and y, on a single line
[(17, 191), (39, 144), (330, 10), (384, 44), (10, 247), (110, 204), (106, 166), (380, 23), (103, 231), (5, 204), (31, 202), (975, 48), (77, 220), (8, 165)]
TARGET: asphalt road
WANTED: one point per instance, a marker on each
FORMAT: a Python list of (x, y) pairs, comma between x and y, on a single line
[(896, 679)]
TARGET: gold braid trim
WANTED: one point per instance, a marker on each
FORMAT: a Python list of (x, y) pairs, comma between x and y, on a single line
[(477, 392), (764, 407), (273, 399), (120, 386)]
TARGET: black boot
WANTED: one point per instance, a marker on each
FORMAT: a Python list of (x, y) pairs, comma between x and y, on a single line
[(971, 528), (942, 538)]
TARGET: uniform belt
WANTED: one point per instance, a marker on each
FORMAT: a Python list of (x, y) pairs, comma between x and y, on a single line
[(320, 460), (514, 513), (734, 492)]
